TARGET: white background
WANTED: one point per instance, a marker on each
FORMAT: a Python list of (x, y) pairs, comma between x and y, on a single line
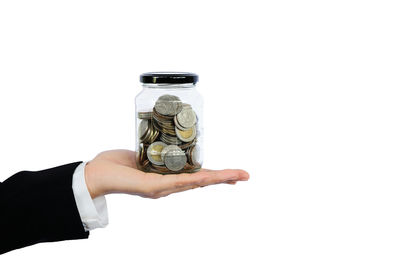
[(302, 94)]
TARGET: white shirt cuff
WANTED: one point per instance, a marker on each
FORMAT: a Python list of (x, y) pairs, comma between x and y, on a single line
[(93, 212)]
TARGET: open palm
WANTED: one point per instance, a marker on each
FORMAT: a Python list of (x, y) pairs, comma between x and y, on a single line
[(115, 171)]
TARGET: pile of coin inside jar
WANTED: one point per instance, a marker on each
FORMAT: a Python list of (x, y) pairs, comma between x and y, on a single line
[(168, 136)]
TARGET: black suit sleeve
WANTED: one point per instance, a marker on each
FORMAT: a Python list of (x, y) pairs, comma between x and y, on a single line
[(39, 207)]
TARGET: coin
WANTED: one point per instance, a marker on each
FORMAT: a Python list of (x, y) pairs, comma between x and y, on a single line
[(152, 136), (156, 125), (164, 123), (147, 132), (141, 154), (188, 144), (177, 125), (191, 168), (142, 161), (145, 164), (168, 105), (175, 160), (170, 140), (145, 115), (194, 155), (154, 152), (168, 136), (143, 126), (186, 135), (159, 169), (186, 118), (169, 148)]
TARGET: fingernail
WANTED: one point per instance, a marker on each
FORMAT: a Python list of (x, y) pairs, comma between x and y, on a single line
[(244, 176)]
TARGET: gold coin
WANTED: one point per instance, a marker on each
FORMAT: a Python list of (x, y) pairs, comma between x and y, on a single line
[(154, 152), (186, 135)]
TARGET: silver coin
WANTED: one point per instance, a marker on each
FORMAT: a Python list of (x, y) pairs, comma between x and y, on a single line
[(154, 152), (177, 107), (143, 126), (186, 118), (186, 135), (168, 105), (195, 154), (175, 160), (169, 98), (169, 148), (176, 123)]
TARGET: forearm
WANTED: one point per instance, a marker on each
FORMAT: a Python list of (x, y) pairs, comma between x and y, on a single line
[(39, 207)]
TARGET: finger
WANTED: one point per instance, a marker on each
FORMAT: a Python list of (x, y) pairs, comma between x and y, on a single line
[(204, 177), (212, 176), (189, 187), (229, 182)]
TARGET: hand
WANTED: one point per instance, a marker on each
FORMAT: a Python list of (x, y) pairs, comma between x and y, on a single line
[(115, 171)]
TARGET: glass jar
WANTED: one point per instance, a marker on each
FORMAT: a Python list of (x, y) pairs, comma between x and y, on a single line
[(169, 123)]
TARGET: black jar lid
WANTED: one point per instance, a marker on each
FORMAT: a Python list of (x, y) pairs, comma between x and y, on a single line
[(169, 77)]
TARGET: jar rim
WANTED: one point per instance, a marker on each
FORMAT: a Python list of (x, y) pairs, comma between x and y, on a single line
[(168, 78)]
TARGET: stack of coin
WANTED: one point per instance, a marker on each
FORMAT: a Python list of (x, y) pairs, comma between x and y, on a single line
[(168, 137), (163, 123), (173, 140), (145, 115), (147, 132)]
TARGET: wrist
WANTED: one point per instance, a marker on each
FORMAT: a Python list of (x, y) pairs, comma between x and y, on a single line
[(91, 182)]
